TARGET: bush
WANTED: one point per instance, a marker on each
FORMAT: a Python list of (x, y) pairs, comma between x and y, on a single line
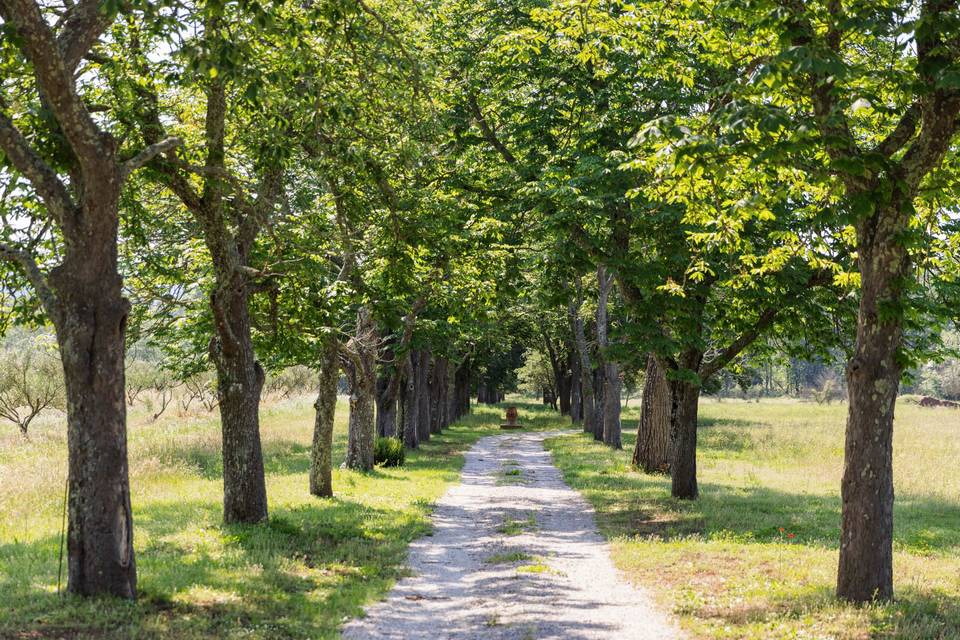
[(31, 380), (389, 452)]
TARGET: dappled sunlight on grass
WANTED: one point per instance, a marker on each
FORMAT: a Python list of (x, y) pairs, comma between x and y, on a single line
[(299, 575), (723, 564)]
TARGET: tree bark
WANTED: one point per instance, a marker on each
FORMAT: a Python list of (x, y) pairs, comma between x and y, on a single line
[(611, 406), (652, 450), (685, 400), (239, 384), (90, 332), (438, 382), (386, 402), (362, 362), (411, 439), (873, 378), (423, 394), (587, 402), (321, 455), (610, 371), (576, 403)]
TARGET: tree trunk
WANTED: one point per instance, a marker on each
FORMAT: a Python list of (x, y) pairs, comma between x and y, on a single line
[(609, 424), (611, 406), (576, 403), (423, 394), (463, 384), (587, 402), (438, 382), (239, 384), (873, 377), (451, 394), (652, 450), (387, 402), (685, 398), (321, 458), (410, 405), (563, 393), (90, 330), (598, 402), (363, 382)]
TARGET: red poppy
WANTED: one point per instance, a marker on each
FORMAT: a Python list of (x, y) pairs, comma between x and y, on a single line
[(791, 535)]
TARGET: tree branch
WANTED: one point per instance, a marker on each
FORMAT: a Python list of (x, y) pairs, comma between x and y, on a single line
[(36, 278), (55, 79), (149, 153), (488, 133), (44, 179), (83, 25)]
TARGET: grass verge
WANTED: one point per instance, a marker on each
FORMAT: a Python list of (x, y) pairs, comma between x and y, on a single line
[(300, 575), (756, 556)]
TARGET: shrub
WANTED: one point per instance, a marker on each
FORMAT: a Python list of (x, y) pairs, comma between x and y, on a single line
[(389, 452), (31, 380)]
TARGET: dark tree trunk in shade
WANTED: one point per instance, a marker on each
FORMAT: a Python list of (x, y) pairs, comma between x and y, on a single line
[(361, 356), (611, 406), (563, 393), (411, 440), (239, 384), (463, 383), (576, 404), (652, 450), (598, 398), (438, 378), (387, 402), (685, 399), (422, 375), (873, 378), (321, 458), (90, 332), (587, 398)]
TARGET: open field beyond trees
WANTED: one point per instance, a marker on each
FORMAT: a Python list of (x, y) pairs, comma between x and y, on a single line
[(299, 576), (756, 556), (721, 564)]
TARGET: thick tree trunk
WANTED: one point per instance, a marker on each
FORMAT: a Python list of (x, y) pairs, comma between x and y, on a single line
[(685, 399), (587, 400), (362, 430), (321, 457), (563, 393), (438, 379), (451, 395), (609, 387), (463, 384), (873, 378), (598, 402), (423, 394), (576, 401), (90, 330), (652, 450), (387, 402), (239, 384), (611, 406), (411, 439)]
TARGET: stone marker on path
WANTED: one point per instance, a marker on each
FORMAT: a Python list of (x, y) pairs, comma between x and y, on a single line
[(511, 422)]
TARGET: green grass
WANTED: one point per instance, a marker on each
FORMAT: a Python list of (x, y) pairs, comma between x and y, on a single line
[(508, 557), (722, 564), (313, 565)]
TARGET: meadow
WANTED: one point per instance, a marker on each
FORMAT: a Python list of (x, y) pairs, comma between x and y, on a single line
[(315, 563), (756, 555)]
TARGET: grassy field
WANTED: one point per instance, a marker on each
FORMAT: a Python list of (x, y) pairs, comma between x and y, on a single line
[(299, 576), (756, 556)]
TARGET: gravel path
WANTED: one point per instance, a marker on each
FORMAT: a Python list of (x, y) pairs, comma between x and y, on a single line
[(515, 555)]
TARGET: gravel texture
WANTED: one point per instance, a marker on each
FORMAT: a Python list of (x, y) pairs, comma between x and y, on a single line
[(514, 555)]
